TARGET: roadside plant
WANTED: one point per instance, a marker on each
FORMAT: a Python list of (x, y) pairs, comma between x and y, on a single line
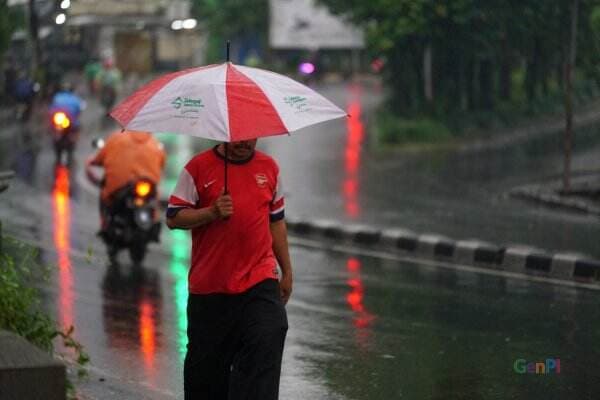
[(20, 305)]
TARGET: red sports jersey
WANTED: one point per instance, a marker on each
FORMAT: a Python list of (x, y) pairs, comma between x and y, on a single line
[(230, 256)]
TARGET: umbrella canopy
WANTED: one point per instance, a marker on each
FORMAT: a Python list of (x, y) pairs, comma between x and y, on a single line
[(224, 102)]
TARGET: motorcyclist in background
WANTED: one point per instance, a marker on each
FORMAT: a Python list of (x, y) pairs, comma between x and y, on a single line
[(91, 70), (23, 92), (108, 83), (125, 157), (65, 101)]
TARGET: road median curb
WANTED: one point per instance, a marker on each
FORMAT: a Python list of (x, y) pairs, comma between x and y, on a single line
[(548, 195), (27, 372), (513, 258)]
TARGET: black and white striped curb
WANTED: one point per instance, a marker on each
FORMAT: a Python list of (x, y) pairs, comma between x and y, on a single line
[(512, 258)]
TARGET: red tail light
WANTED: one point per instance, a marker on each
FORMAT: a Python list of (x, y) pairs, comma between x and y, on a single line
[(143, 188), (61, 120)]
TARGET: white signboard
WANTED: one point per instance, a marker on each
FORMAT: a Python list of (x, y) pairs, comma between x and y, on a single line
[(115, 7), (301, 24)]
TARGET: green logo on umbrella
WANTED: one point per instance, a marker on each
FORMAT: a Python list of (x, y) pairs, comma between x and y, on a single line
[(295, 101), (187, 105)]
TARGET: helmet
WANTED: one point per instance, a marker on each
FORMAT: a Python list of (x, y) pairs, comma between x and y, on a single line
[(66, 86)]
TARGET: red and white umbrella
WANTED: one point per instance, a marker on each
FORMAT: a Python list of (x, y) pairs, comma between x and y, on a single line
[(224, 102)]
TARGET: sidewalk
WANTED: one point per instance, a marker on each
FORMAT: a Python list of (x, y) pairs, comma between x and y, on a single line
[(585, 115)]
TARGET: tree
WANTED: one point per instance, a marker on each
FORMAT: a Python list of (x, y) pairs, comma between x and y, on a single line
[(463, 54), (10, 20), (5, 28), (232, 20)]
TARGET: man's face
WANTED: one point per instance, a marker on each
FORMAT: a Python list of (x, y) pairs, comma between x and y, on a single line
[(242, 149)]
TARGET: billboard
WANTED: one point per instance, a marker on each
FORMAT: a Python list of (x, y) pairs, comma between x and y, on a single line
[(115, 7), (302, 24)]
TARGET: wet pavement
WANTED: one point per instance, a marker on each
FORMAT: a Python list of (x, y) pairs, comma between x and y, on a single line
[(360, 327)]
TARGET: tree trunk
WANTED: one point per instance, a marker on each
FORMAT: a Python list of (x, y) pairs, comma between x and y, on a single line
[(486, 84), (560, 72), (397, 74), (35, 39), (428, 75), (545, 79), (417, 78), (470, 83), (457, 98), (570, 65), (532, 77), (505, 72)]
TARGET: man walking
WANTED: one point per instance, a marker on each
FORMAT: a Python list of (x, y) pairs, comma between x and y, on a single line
[(236, 316)]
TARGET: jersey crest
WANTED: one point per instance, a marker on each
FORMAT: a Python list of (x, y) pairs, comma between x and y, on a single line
[(261, 180)]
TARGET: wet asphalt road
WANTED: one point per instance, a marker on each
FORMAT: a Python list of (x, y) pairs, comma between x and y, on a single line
[(361, 327), (444, 191)]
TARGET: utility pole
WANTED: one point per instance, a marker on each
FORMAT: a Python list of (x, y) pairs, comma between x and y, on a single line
[(569, 67)]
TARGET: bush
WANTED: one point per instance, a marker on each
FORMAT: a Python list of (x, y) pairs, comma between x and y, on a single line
[(395, 130), (19, 303), (20, 310)]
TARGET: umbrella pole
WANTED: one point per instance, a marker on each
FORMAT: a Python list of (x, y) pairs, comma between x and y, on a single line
[(226, 144), (226, 162)]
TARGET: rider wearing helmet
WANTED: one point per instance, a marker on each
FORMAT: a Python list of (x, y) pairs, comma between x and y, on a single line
[(108, 83), (68, 102), (64, 111)]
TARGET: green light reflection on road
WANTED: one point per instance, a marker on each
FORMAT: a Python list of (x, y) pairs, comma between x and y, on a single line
[(178, 269), (179, 240)]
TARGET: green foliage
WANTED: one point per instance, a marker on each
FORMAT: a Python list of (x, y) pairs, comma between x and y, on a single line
[(19, 302), (595, 20), (392, 129), (10, 20), (477, 49), (20, 310), (230, 19)]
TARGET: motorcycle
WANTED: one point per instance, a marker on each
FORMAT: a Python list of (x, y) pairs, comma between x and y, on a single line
[(64, 136), (129, 220)]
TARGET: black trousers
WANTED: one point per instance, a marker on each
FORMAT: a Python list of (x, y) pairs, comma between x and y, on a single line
[(235, 344)]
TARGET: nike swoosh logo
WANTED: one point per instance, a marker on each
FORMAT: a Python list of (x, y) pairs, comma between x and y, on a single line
[(209, 183)]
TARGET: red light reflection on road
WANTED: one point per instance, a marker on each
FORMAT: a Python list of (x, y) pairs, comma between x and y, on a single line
[(355, 298), (132, 317), (61, 211), (354, 141), (148, 333)]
